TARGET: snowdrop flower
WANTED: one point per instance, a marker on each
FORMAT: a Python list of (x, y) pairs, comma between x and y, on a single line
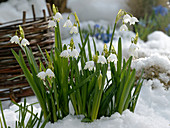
[(123, 28), (102, 60), (49, 73), (68, 23), (41, 75), (126, 18), (51, 23), (25, 42), (14, 39), (112, 57), (89, 65), (74, 29), (132, 49), (133, 20), (58, 17), (74, 53), (64, 54)]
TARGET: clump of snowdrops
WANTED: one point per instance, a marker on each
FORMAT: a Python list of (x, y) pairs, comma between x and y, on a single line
[(90, 90)]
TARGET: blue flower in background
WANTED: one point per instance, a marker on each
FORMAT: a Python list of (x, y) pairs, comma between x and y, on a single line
[(96, 26), (160, 9), (105, 37), (167, 28), (97, 35)]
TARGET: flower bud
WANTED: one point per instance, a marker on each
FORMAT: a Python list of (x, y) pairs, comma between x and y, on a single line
[(77, 19)]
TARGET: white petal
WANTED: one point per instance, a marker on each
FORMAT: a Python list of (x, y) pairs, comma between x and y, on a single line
[(74, 29), (14, 39), (133, 20), (132, 49), (51, 23), (74, 53), (41, 75), (68, 23), (112, 57), (64, 54), (89, 65), (49, 73), (58, 17), (123, 28), (126, 18), (25, 42), (102, 60)]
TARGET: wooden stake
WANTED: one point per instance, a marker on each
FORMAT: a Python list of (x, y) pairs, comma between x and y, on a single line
[(24, 17), (49, 9), (45, 17), (33, 12)]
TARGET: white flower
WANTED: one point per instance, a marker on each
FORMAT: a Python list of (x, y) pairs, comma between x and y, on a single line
[(49, 73), (64, 54), (126, 18), (89, 65), (51, 23), (25, 42), (123, 28), (132, 50), (41, 75), (74, 29), (112, 57), (68, 23), (58, 17), (133, 20), (74, 53), (102, 60), (14, 39)]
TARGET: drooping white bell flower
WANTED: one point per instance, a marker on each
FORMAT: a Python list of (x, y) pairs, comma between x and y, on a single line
[(111, 58), (14, 39), (58, 17), (64, 54), (126, 18), (41, 75), (133, 20), (49, 73), (25, 42), (51, 23), (123, 28), (74, 29), (102, 60), (68, 23), (89, 65), (132, 50), (74, 53)]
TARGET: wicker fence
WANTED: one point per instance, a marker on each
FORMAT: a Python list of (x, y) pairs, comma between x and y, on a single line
[(37, 32)]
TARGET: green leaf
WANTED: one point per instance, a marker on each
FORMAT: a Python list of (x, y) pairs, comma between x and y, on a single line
[(89, 50), (46, 121), (82, 83), (42, 54), (3, 117), (126, 91)]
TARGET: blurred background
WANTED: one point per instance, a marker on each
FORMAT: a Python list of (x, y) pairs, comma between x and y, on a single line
[(153, 14)]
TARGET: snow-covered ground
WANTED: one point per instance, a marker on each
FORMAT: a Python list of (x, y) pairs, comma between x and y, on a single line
[(152, 110)]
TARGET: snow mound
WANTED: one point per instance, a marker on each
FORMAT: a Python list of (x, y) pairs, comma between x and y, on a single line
[(159, 40), (155, 66)]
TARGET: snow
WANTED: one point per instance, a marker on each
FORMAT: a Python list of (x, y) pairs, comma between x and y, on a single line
[(152, 110), (12, 10)]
